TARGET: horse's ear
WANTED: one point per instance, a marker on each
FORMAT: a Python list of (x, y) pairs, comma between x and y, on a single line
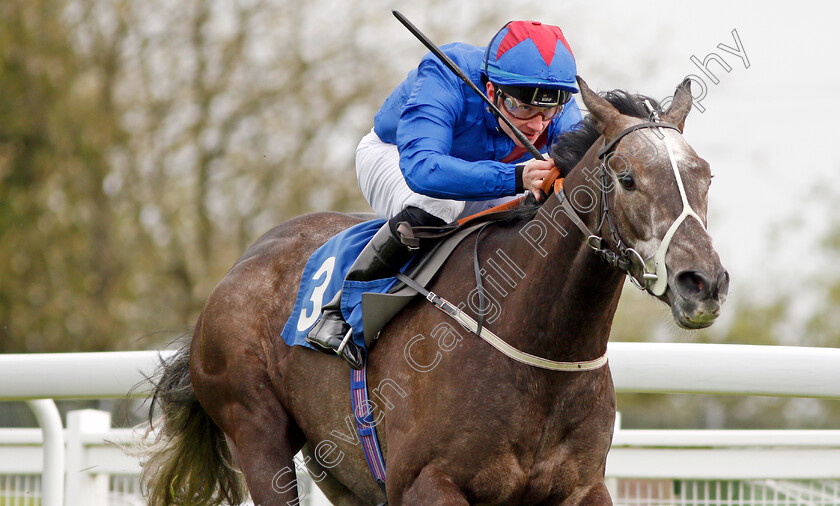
[(607, 116), (680, 105)]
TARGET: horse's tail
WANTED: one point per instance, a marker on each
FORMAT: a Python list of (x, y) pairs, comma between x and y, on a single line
[(188, 461)]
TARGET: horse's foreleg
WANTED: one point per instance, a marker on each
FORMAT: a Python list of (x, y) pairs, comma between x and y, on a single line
[(334, 490), (433, 486)]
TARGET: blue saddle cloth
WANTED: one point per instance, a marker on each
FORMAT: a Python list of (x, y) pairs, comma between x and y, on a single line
[(324, 276)]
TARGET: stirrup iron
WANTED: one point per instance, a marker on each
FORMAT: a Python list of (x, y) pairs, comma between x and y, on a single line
[(344, 342)]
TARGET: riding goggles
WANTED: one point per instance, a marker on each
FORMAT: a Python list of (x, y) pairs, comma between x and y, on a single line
[(525, 105), (523, 111)]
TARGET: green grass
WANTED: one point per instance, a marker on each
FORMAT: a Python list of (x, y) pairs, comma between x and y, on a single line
[(20, 501)]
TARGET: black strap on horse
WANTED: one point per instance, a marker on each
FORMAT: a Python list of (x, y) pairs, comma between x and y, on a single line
[(482, 308), (625, 259), (647, 124)]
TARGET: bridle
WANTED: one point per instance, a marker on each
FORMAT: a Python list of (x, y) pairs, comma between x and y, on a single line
[(646, 274)]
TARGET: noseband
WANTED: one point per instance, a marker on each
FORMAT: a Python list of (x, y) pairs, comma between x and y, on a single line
[(646, 274)]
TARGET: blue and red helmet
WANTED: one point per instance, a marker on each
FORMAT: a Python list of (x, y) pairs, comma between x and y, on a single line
[(533, 59)]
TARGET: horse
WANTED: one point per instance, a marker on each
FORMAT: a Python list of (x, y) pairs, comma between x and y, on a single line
[(459, 422)]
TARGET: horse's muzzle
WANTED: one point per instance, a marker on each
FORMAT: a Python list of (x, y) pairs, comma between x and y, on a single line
[(696, 297)]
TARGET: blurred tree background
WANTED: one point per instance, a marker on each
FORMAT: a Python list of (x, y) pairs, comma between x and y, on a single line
[(144, 145)]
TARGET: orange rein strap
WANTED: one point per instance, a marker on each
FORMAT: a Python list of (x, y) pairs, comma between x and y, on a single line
[(507, 206), (553, 179), (548, 182)]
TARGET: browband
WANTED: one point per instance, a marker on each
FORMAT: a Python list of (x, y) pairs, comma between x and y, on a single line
[(647, 124)]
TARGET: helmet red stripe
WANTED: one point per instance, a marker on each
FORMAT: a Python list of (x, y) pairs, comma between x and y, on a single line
[(545, 37)]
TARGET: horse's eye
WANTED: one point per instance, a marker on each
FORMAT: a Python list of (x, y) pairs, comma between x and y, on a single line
[(627, 181)]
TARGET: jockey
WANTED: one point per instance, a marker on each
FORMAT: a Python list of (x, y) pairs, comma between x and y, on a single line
[(437, 153)]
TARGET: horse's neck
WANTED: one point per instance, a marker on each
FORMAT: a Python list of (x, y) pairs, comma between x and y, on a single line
[(577, 292)]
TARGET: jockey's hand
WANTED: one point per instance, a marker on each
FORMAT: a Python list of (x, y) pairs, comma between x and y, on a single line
[(533, 173)]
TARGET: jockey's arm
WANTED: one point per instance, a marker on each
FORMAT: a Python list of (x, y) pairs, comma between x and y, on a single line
[(425, 137)]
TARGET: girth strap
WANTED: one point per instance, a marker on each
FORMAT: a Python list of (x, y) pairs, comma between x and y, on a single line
[(366, 425)]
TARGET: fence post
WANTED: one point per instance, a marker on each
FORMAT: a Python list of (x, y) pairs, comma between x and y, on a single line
[(84, 484), (52, 476)]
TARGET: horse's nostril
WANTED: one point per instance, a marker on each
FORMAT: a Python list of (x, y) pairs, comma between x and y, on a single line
[(692, 284)]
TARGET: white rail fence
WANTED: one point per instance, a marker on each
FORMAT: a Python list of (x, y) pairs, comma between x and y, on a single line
[(55, 466)]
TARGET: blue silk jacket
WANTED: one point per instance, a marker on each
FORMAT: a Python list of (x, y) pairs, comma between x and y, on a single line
[(449, 142)]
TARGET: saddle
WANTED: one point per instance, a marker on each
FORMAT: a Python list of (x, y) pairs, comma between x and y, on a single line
[(379, 308)]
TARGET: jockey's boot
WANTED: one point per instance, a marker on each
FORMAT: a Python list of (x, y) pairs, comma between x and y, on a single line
[(333, 335), (382, 257)]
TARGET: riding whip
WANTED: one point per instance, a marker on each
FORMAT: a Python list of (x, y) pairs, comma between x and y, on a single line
[(460, 73)]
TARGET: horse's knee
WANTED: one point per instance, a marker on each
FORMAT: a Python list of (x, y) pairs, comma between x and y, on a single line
[(598, 495), (595, 495), (433, 486)]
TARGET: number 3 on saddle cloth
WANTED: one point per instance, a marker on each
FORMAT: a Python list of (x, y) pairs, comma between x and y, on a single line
[(324, 275)]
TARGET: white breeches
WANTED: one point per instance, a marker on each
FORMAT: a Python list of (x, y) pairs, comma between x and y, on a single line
[(384, 187)]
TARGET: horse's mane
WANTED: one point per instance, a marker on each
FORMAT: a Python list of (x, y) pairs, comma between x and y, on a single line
[(569, 147)]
